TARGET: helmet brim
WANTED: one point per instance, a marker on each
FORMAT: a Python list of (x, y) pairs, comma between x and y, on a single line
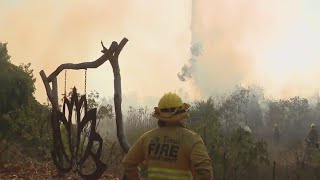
[(170, 117)]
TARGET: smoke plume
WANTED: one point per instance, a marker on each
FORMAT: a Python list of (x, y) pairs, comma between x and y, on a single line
[(218, 60), (268, 43)]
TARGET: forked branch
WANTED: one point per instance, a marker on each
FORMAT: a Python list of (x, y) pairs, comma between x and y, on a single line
[(108, 54)]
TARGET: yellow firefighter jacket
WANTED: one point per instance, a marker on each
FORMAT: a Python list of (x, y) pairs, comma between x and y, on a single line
[(170, 153)]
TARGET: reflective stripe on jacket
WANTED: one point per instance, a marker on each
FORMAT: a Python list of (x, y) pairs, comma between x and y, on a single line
[(165, 173), (170, 153)]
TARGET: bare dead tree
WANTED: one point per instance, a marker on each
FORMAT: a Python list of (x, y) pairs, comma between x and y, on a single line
[(111, 54)]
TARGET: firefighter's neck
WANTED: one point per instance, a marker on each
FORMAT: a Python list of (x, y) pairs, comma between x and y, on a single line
[(170, 124)]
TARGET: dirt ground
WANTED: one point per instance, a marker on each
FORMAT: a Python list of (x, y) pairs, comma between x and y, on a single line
[(17, 171)]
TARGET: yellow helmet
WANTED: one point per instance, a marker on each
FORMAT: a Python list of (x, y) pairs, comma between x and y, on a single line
[(171, 108)]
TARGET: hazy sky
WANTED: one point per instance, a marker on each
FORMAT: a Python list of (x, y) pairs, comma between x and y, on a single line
[(271, 43)]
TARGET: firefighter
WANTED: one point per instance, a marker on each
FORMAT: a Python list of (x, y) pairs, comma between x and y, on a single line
[(313, 136), (276, 134), (171, 151)]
